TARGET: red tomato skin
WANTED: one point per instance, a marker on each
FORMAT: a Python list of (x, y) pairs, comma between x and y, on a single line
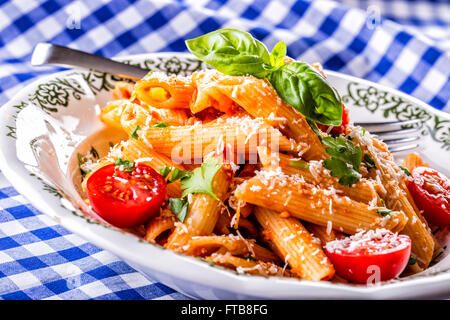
[(436, 210), (121, 213), (357, 268)]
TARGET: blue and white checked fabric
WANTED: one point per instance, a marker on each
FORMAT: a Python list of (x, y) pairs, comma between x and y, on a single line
[(402, 44)]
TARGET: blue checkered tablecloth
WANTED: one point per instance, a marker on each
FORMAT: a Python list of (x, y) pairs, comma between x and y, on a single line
[(402, 44)]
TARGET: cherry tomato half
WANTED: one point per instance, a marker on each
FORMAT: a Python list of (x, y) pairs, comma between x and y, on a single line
[(340, 129), (371, 256), (126, 198), (430, 190)]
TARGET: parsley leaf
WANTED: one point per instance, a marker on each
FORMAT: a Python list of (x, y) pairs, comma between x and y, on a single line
[(179, 207), (384, 212), (200, 181), (134, 133), (165, 170), (345, 159), (405, 170), (160, 125), (124, 165), (177, 174), (370, 163)]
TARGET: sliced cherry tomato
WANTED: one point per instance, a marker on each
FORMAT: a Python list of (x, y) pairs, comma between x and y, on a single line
[(430, 190), (371, 256), (340, 129), (126, 198)]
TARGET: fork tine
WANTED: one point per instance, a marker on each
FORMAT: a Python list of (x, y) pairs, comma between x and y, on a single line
[(396, 133), (377, 127), (403, 148), (394, 142)]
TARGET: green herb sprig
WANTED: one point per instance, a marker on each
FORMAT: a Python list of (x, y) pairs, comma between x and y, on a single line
[(345, 159), (134, 133), (369, 162), (237, 53), (125, 165), (179, 207), (177, 174), (197, 181), (405, 170)]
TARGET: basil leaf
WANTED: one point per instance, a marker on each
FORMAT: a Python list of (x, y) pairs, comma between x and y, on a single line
[(277, 55), (233, 52), (302, 87)]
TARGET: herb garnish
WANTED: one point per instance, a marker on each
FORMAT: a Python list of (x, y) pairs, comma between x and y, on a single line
[(160, 125), (197, 181), (134, 133), (179, 207), (368, 160), (177, 174), (201, 178), (125, 165), (384, 212), (345, 159), (412, 261), (299, 164), (405, 170), (237, 53), (82, 159)]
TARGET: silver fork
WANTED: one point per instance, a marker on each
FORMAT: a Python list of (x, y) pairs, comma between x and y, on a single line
[(399, 135)]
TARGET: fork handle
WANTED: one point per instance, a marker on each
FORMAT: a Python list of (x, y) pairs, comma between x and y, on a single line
[(47, 53)]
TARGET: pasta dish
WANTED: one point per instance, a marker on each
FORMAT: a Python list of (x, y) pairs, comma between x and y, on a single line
[(255, 166)]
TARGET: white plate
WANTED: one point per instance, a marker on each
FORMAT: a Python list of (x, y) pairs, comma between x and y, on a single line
[(73, 98)]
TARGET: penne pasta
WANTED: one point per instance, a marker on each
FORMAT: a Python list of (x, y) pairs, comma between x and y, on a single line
[(160, 91), (324, 234), (187, 143), (313, 172), (234, 245), (296, 245), (219, 166), (165, 221), (242, 265), (412, 161), (273, 190), (259, 99), (203, 212), (122, 90), (396, 197)]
